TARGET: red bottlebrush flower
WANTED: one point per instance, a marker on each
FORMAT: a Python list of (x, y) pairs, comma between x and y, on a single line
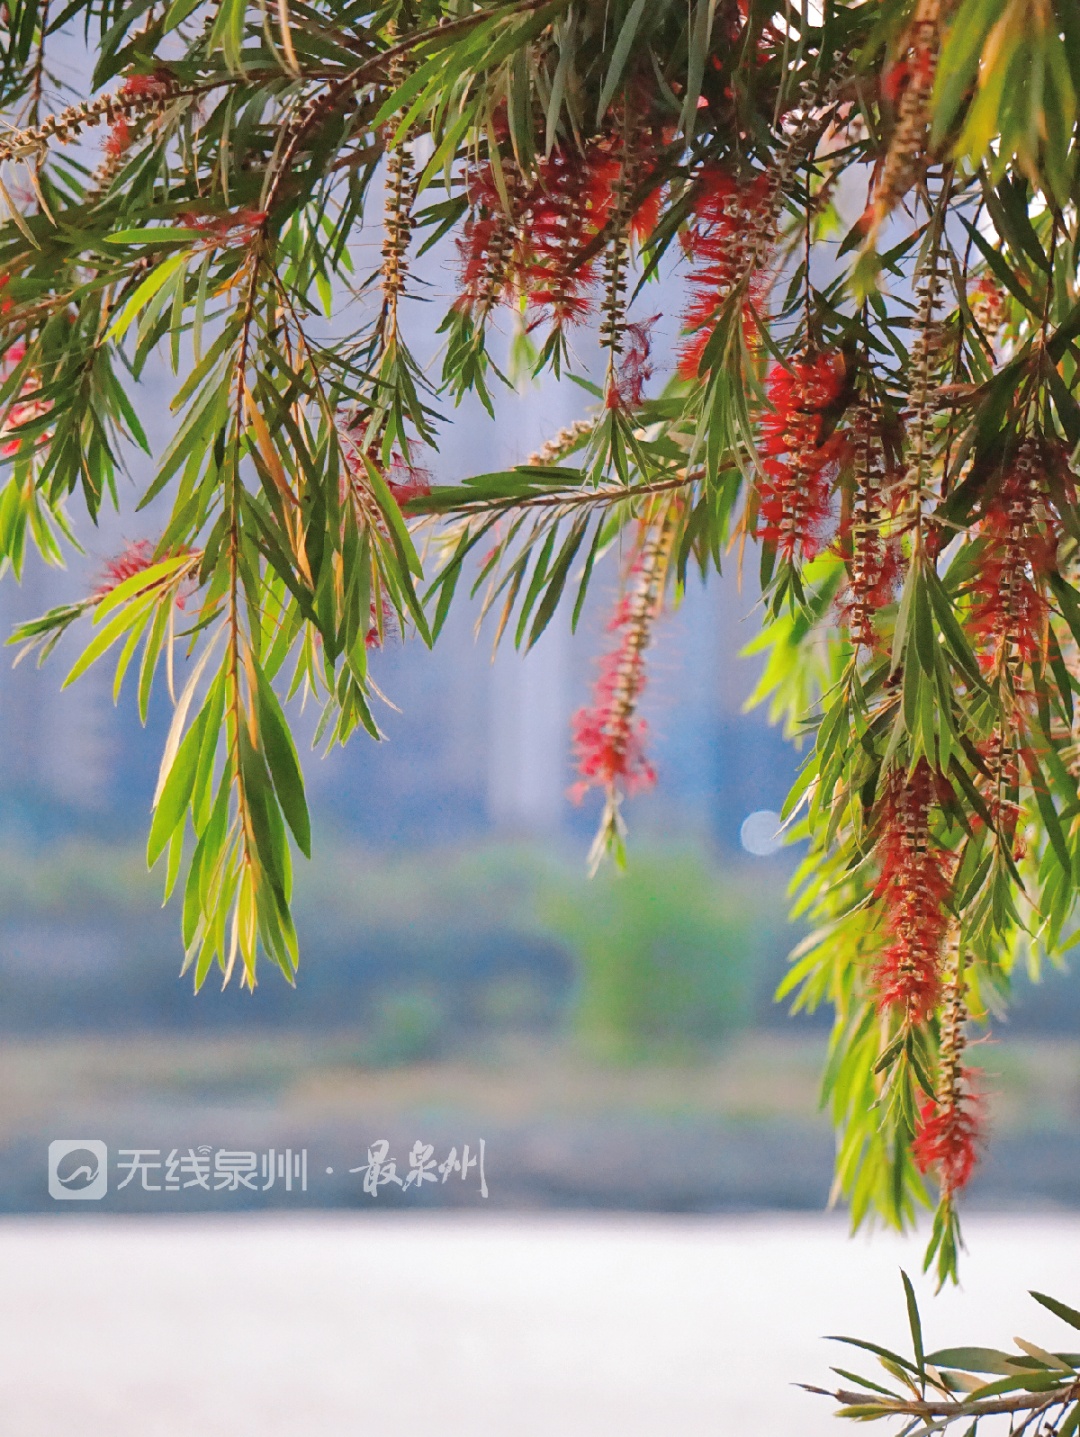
[(647, 215), (876, 571), (24, 409), (606, 174), (947, 1138), (535, 248), (913, 887), (635, 366), (482, 245), (909, 83), (565, 209), (407, 481), (609, 738), (376, 635), (917, 68), (18, 415), (609, 743), (159, 83), (1009, 607), (229, 231), (118, 138), (487, 241), (137, 556), (800, 463), (987, 301), (603, 172), (1000, 786), (893, 80), (875, 559), (725, 245)]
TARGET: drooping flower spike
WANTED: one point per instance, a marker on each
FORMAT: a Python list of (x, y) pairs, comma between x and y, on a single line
[(946, 1140), (800, 459), (874, 551), (1009, 603), (725, 247), (487, 240), (609, 734), (907, 84), (913, 890), (534, 249)]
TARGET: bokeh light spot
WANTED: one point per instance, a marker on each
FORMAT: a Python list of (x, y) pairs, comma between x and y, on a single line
[(760, 833)]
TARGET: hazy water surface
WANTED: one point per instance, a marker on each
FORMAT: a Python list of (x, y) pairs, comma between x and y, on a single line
[(493, 1326)]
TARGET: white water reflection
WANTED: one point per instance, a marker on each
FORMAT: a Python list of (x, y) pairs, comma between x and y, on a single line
[(337, 1325)]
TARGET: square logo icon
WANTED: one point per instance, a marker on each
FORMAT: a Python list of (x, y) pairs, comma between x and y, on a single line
[(78, 1169)]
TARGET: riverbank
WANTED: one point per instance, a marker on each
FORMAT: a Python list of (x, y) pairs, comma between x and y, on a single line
[(736, 1131)]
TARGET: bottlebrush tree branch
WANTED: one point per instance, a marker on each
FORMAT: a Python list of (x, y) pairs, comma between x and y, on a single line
[(1036, 1389), (893, 433)]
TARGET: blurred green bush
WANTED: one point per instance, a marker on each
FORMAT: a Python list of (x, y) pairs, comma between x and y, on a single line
[(407, 1025), (667, 953), (417, 954)]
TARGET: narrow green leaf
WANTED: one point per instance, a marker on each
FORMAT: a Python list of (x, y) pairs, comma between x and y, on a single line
[(283, 764)]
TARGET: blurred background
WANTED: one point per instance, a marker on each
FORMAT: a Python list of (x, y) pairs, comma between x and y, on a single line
[(614, 1041)]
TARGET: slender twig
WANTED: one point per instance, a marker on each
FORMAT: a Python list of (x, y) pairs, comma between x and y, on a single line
[(107, 107), (37, 82), (582, 498), (1034, 1402)]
